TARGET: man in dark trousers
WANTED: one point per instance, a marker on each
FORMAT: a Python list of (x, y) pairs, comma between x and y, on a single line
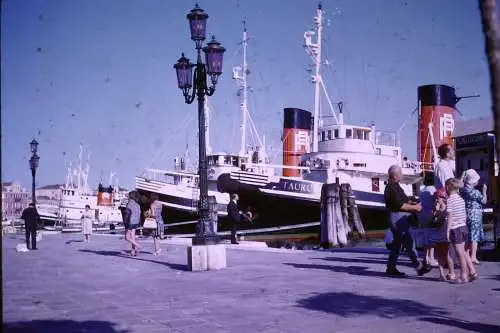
[(31, 218), (400, 209), (235, 216)]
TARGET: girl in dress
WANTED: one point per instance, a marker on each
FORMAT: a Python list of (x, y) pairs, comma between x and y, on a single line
[(456, 229), (154, 212), (87, 219), (474, 201)]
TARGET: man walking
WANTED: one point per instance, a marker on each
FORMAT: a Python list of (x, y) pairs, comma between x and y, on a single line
[(31, 218), (400, 213), (235, 216)]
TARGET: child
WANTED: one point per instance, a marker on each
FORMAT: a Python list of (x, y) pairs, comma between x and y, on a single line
[(456, 229), (442, 246)]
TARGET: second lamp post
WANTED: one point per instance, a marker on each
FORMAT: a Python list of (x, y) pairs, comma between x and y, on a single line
[(195, 85), (34, 160)]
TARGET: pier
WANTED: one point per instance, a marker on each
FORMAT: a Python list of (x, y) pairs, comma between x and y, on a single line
[(70, 286)]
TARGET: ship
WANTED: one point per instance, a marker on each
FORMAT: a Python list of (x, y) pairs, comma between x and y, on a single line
[(75, 194), (178, 189)]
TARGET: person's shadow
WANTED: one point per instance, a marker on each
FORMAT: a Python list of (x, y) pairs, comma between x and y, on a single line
[(178, 267), (50, 326)]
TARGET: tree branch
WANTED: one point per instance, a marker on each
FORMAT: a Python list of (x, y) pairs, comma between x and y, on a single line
[(491, 30)]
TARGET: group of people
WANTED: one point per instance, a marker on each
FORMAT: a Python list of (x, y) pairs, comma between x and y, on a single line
[(132, 216), (450, 207)]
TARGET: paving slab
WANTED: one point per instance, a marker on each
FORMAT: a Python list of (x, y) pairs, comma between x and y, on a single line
[(70, 286)]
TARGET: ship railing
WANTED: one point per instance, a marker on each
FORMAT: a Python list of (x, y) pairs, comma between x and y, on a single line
[(162, 175), (268, 169), (416, 166)]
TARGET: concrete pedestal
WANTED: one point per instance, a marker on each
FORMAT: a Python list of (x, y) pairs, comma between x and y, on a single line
[(206, 257)]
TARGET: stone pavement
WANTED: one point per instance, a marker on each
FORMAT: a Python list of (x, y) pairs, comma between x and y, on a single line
[(68, 286)]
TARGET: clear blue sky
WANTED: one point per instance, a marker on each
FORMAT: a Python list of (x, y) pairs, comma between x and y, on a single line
[(99, 72)]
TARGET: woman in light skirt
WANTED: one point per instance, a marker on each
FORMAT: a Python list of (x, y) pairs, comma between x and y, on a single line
[(87, 219)]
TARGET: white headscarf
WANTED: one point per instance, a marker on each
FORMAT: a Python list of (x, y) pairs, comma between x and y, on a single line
[(470, 177)]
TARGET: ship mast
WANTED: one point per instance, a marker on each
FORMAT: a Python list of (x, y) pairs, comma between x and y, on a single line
[(240, 75), (314, 51)]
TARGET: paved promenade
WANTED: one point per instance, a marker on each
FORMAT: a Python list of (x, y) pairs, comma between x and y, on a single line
[(68, 286)]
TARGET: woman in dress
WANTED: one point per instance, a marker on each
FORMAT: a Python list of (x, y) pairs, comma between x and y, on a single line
[(154, 212), (87, 219), (474, 201)]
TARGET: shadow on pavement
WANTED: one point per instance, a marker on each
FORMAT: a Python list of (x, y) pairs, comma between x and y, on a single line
[(50, 326), (74, 241), (178, 267), (357, 270), (379, 261), (347, 304), (465, 325)]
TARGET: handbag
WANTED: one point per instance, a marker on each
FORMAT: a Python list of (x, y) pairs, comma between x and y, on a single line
[(149, 223)]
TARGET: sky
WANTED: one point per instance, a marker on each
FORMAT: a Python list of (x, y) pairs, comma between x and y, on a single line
[(100, 73)]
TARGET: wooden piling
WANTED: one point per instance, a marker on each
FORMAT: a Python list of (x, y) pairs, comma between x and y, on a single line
[(329, 193), (340, 219)]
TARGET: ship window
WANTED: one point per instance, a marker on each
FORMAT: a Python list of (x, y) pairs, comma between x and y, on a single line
[(378, 151), (358, 134), (395, 152), (329, 134), (323, 136), (366, 135), (348, 133), (336, 133)]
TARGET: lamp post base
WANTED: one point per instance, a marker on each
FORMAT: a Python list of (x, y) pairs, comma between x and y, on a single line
[(206, 257), (206, 240)]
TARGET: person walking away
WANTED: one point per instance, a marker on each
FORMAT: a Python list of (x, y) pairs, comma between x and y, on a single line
[(87, 219), (134, 220), (445, 167), (31, 218), (474, 201), (425, 217), (442, 245), (456, 232), (400, 209), (154, 212)]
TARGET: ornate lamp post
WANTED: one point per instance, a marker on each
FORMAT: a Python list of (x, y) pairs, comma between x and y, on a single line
[(34, 160), (195, 84)]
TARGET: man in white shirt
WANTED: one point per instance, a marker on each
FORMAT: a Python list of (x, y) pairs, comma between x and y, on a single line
[(445, 168)]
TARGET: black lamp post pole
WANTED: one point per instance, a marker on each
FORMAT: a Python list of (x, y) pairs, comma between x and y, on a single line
[(197, 81), (33, 175), (205, 234)]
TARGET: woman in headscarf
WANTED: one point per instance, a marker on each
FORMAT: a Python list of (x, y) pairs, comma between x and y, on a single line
[(474, 201)]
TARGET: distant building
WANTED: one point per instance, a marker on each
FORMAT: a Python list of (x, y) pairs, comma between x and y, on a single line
[(49, 192), (14, 199)]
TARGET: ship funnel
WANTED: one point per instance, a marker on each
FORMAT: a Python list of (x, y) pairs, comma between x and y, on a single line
[(296, 138)]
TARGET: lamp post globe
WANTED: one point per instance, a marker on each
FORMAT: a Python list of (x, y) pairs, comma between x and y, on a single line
[(184, 71), (197, 24), (214, 53), (34, 146)]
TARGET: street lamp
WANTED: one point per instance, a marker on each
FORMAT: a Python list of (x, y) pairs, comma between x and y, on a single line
[(195, 84), (34, 160)]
